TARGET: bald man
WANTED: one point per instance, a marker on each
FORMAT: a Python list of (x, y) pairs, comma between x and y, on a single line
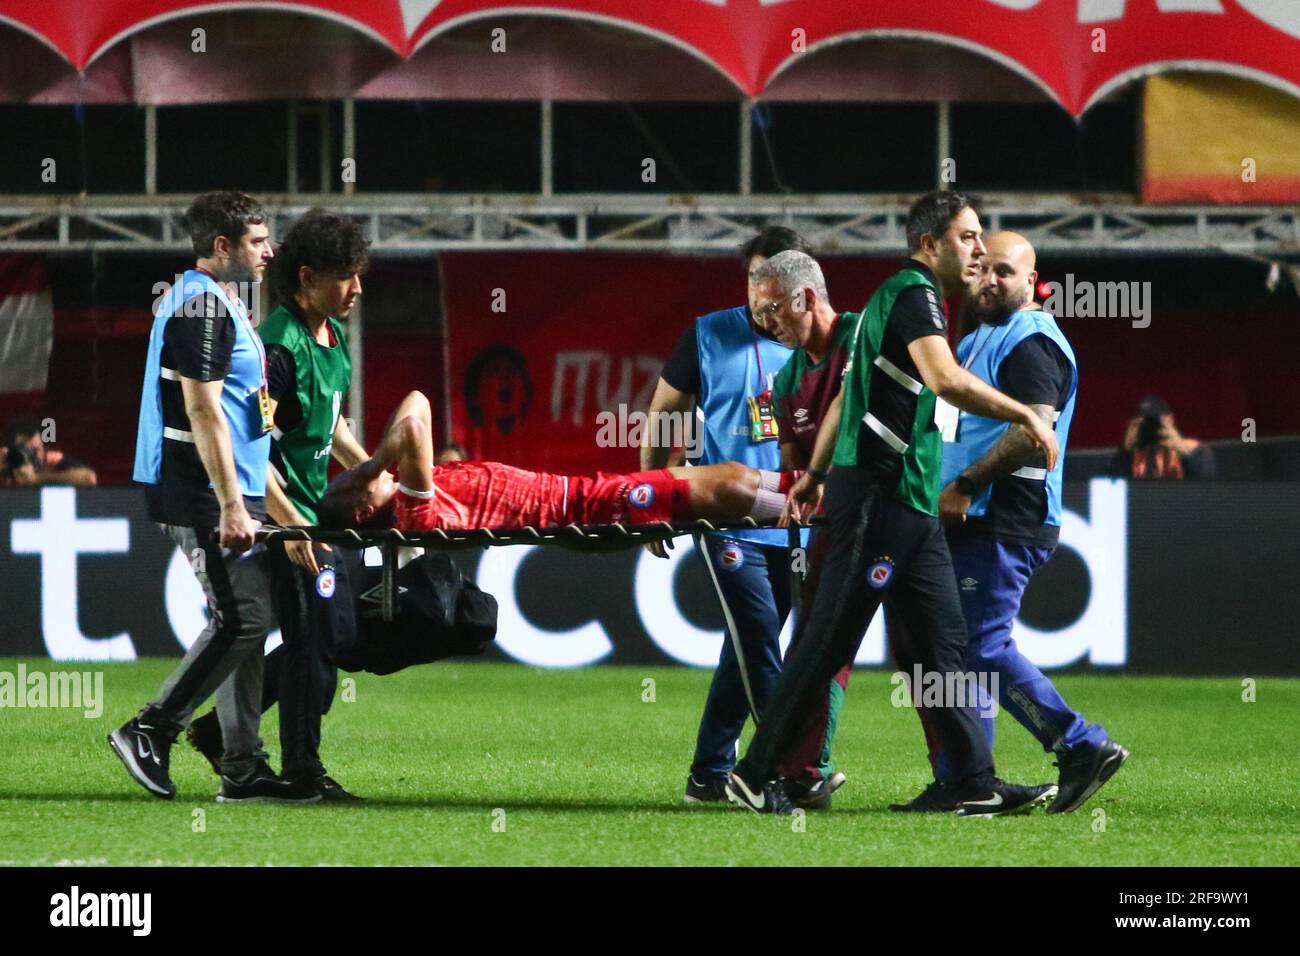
[(1002, 510)]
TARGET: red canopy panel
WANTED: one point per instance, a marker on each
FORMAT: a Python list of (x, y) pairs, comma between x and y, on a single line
[(1075, 51)]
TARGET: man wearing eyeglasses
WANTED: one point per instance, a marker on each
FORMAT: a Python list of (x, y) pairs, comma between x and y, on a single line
[(725, 365)]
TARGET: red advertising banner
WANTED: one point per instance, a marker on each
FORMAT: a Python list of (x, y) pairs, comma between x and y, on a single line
[(552, 354), (1075, 50), (542, 344)]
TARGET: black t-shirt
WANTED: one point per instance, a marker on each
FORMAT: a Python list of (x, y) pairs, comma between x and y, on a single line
[(682, 370), (198, 343), (916, 313), (1035, 373)]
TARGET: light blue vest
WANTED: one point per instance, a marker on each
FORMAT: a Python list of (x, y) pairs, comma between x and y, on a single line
[(729, 376), (251, 446), (982, 352)]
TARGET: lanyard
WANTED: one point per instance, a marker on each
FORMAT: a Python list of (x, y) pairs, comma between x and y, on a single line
[(762, 379), (977, 347)]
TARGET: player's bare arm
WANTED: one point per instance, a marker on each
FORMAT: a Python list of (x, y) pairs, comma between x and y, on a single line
[(408, 444), (666, 399), (943, 376), (1012, 451)]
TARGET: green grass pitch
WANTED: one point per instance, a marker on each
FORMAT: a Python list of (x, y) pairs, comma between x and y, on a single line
[(498, 764)]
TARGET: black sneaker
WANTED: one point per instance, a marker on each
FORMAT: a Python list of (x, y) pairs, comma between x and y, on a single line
[(264, 786), (769, 798), (999, 798), (145, 751), (935, 798), (813, 794), (204, 735), (331, 791), (713, 790), (1084, 771)]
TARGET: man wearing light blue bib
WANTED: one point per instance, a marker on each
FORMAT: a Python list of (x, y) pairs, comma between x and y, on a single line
[(725, 365), (1003, 512), (202, 446)]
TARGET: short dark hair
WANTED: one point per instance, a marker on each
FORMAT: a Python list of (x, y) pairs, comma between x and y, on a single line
[(773, 239), (934, 212), (223, 213), (322, 241)]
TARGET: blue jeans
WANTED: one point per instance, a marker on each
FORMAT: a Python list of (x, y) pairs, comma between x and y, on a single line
[(992, 576), (753, 585)]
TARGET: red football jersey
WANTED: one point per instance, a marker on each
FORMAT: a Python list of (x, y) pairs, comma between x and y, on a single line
[(485, 494)]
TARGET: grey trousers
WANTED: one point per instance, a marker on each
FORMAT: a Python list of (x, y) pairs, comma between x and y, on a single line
[(238, 589)]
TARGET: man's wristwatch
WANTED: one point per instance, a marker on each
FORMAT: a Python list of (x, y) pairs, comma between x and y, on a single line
[(816, 475), (965, 486)]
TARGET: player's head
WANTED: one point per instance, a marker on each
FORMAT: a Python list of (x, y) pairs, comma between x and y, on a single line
[(228, 229), (353, 501), (320, 263), (1004, 278), (944, 232), (770, 241), (789, 287)]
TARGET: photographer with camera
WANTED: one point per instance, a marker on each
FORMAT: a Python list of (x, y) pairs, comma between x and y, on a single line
[(1154, 448), (26, 461)]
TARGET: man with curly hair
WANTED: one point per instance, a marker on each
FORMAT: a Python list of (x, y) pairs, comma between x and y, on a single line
[(316, 281)]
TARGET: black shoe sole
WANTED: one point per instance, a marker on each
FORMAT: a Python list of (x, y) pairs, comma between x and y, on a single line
[(1108, 769), (125, 754)]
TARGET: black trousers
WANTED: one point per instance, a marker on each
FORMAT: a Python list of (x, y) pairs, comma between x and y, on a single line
[(301, 674), (875, 549)]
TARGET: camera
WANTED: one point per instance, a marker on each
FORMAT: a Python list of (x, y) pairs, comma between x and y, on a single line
[(18, 456), (1151, 411)]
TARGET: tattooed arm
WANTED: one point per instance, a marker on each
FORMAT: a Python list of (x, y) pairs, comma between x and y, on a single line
[(1012, 451)]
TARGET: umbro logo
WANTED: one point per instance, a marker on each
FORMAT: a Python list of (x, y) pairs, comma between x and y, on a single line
[(969, 584), (375, 594)]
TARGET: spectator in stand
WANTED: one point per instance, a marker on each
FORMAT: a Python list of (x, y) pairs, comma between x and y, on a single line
[(25, 459), (1154, 448)]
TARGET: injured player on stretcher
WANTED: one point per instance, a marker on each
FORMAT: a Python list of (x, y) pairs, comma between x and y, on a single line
[(468, 495)]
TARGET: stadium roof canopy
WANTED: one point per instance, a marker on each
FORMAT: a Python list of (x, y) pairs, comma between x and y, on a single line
[(1075, 52)]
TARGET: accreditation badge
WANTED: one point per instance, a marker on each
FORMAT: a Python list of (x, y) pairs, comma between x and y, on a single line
[(946, 418), (762, 420), (264, 409)]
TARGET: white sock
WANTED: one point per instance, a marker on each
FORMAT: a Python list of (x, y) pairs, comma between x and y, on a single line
[(767, 504), (769, 480)]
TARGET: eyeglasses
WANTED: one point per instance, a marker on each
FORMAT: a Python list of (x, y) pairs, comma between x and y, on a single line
[(763, 313)]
